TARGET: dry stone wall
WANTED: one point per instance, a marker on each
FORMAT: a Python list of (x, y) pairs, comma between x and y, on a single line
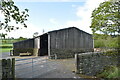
[(92, 63)]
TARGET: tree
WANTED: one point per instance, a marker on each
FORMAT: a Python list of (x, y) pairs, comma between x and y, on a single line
[(21, 38), (35, 34), (12, 13), (106, 18), (3, 35)]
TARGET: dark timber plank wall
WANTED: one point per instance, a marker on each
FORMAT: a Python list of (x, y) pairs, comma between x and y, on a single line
[(64, 43), (23, 47)]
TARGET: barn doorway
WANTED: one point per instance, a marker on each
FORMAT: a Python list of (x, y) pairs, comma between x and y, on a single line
[(43, 51)]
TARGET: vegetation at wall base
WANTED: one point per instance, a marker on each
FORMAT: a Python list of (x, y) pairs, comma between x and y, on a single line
[(113, 53), (110, 72), (85, 76)]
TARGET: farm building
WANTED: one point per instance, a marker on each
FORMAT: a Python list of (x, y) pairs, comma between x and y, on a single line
[(63, 43)]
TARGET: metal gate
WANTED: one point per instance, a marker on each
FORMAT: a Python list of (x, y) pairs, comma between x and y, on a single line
[(30, 67)]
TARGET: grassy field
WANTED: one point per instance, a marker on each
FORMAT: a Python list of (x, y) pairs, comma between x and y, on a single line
[(6, 44), (6, 47)]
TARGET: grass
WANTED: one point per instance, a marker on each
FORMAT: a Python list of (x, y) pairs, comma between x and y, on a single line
[(6, 44), (88, 77), (110, 72), (6, 49)]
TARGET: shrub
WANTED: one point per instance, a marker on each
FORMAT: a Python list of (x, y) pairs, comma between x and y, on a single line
[(5, 46), (99, 43), (110, 72), (111, 42)]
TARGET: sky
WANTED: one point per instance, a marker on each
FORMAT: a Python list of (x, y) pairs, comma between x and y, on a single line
[(51, 15)]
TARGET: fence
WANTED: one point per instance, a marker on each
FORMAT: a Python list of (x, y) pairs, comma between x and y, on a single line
[(8, 68), (92, 63), (29, 67)]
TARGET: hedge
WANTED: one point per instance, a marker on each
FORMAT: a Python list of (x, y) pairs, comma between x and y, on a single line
[(6, 46)]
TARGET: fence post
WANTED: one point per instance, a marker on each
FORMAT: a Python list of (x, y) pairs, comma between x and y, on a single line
[(8, 68), (3, 69), (11, 52), (55, 56), (76, 63), (13, 68), (0, 69)]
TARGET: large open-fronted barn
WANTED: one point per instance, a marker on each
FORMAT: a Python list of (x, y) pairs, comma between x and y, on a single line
[(63, 43)]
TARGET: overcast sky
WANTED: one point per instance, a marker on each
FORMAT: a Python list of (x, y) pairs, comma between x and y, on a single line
[(55, 14)]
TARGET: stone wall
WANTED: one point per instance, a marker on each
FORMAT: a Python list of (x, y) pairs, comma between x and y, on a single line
[(92, 63)]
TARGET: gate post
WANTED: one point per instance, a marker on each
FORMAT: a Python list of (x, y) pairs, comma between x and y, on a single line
[(8, 69), (76, 63), (13, 68)]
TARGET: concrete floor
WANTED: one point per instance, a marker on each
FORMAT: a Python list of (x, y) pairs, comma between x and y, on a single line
[(42, 67)]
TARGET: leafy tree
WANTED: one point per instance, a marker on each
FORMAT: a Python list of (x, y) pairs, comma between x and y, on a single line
[(35, 34), (3, 36), (21, 38), (106, 18), (12, 13)]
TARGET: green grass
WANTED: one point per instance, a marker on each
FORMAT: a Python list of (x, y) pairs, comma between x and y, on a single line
[(110, 72), (6, 44), (10, 41), (6, 49)]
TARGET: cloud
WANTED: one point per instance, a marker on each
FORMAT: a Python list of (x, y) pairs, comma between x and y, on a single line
[(74, 5), (53, 21), (84, 14), (87, 9), (25, 32), (81, 24)]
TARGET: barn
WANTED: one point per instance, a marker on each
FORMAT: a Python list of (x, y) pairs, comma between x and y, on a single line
[(62, 43)]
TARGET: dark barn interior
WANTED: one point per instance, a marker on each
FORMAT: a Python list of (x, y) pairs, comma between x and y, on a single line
[(43, 45)]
